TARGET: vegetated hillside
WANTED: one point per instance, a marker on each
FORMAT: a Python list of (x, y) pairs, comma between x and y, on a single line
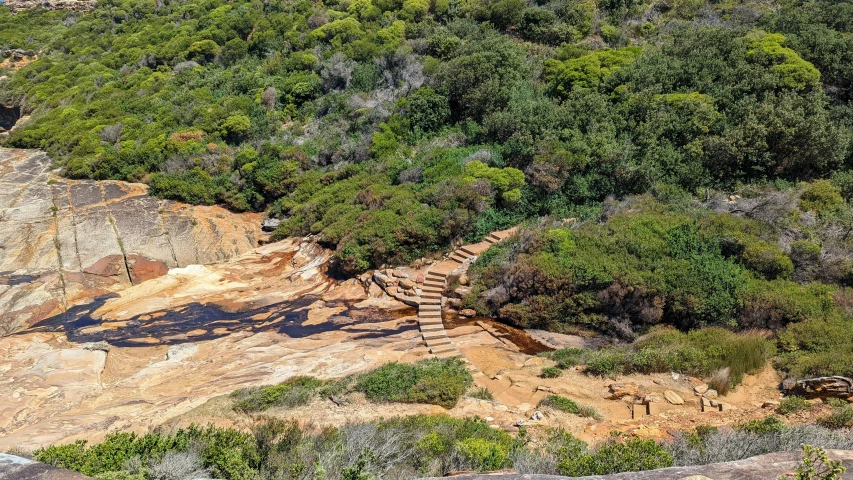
[(775, 259), (389, 128)]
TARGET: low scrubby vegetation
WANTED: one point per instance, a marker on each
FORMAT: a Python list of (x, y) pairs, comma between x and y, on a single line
[(567, 405), (657, 261), (719, 354), (435, 381), (793, 404), (414, 447)]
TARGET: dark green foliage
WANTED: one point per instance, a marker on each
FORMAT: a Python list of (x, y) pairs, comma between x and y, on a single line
[(436, 381), (361, 116), (551, 372)]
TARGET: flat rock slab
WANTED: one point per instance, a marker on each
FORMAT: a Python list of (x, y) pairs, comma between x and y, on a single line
[(17, 468), (73, 240), (762, 467)]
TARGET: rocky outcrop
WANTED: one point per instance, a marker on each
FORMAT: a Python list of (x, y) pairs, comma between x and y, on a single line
[(63, 241), (82, 5), (762, 467), (18, 468)]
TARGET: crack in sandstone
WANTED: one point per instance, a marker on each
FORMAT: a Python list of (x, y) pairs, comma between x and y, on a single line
[(115, 231), (166, 232), (74, 226)]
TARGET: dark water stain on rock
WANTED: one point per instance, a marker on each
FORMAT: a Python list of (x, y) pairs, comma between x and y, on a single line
[(521, 339), (14, 280), (198, 322)]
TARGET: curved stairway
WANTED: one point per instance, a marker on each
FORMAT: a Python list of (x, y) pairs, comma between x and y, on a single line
[(435, 280)]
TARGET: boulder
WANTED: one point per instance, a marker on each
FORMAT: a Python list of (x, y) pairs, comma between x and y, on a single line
[(710, 393), (463, 280), (468, 312), (622, 390), (700, 389), (407, 283), (420, 278), (770, 404), (673, 398), (462, 291)]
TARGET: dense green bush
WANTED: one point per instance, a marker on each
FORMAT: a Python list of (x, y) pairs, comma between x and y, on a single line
[(437, 381), (551, 372), (361, 116)]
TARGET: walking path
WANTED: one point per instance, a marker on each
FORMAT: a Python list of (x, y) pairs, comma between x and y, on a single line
[(435, 280)]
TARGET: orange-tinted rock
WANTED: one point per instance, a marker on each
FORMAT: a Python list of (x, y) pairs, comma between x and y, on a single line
[(142, 269), (109, 266)]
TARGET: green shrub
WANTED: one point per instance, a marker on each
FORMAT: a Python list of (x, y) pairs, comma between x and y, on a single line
[(821, 196), (294, 392), (551, 372), (607, 362), (482, 393), (482, 454), (568, 405), (615, 456), (768, 424), (841, 417), (437, 381), (567, 357), (793, 404)]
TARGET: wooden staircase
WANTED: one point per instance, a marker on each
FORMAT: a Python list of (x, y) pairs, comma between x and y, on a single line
[(435, 280)]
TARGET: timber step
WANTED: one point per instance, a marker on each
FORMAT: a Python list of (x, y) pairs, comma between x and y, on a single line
[(434, 335), (431, 323)]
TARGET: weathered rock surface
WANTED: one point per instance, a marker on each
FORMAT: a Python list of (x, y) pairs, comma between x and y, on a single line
[(18, 468), (83, 5), (762, 467), (158, 349), (63, 242)]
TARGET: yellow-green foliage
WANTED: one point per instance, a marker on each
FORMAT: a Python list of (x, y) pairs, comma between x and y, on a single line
[(821, 196), (506, 181), (590, 70), (793, 71)]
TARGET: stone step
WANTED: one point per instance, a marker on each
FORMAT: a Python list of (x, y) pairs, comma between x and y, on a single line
[(494, 237), (429, 317), (438, 342), (430, 295), (450, 353), (432, 289), (459, 257), (444, 350), (432, 302), (439, 284), (436, 275), (427, 308), (430, 322), (432, 327), (491, 240), (431, 336)]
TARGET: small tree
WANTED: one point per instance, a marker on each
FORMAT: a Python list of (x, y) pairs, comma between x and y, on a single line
[(816, 465)]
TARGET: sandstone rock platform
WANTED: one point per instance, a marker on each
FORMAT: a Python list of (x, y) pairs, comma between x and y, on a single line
[(66, 241)]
